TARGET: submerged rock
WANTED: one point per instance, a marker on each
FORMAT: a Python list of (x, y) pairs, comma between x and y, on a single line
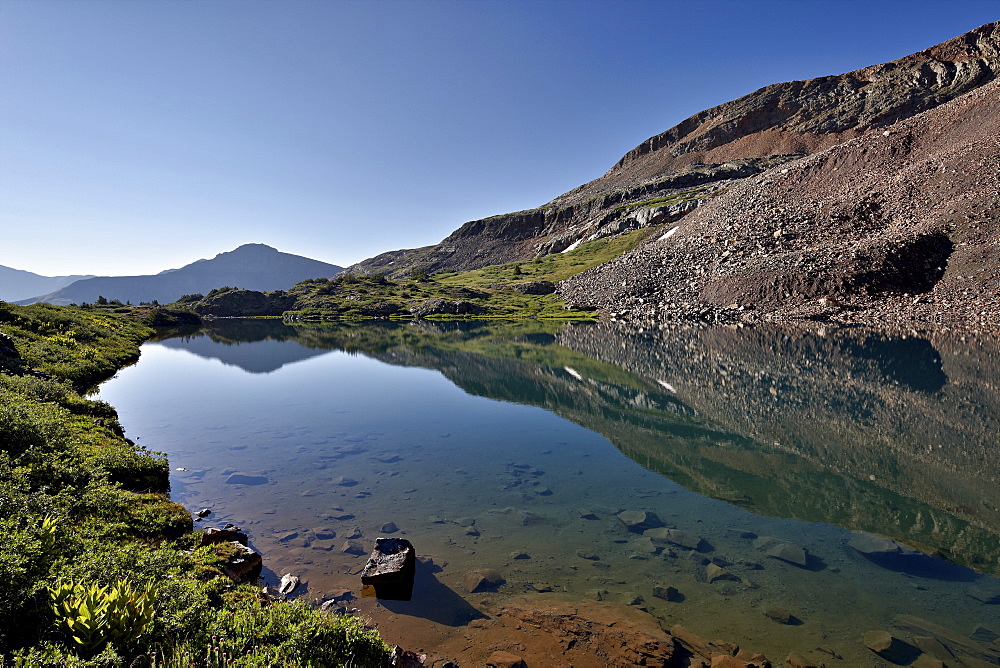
[(791, 553), (639, 520), (483, 579), (890, 648), (246, 479)]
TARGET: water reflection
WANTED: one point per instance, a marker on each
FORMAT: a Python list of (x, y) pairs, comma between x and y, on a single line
[(892, 436), (843, 428)]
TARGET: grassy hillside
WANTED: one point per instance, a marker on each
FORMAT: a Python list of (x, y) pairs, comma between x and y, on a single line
[(97, 565), (514, 290)]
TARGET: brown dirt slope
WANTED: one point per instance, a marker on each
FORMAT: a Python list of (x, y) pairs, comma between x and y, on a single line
[(714, 149), (897, 225)]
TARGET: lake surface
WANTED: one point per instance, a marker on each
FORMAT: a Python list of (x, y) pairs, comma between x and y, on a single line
[(514, 447)]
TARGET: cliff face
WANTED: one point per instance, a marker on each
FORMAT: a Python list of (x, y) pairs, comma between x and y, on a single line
[(702, 156)]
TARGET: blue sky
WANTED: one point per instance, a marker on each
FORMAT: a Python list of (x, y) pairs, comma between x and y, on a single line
[(140, 136)]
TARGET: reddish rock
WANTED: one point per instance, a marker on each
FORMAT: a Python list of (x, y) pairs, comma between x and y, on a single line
[(505, 660)]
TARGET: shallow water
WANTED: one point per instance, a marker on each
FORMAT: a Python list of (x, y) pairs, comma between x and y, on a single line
[(514, 449)]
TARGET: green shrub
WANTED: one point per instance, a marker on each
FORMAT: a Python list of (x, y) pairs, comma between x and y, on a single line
[(94, 616)]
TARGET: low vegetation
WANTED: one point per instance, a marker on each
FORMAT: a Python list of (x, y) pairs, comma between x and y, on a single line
[(96, 565), (514, 290)]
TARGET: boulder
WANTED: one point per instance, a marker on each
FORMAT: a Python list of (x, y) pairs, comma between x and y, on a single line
[(7, 347), (213, 536), (796, 660), (352, 547), (984, 635), (890, 648), (389, 527), (390, 569), (244, 566), (667, 593), (505, 660), (678, 537), (984, 595), (288, 584), (639, 521), (933, 647), (483, 579), (716, 573), (779, 615), (871, 545), (791, 553), (324, 533)]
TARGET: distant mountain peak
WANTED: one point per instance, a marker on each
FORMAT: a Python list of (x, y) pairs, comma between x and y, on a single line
[(251, 266)]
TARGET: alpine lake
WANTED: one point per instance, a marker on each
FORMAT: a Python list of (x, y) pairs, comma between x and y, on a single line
[(781, 459)]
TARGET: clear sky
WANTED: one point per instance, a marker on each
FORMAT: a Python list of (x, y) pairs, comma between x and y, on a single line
[(137, 136)]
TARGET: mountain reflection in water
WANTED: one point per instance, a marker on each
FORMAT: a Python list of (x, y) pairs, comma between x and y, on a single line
[(889, 435), (779, 434)]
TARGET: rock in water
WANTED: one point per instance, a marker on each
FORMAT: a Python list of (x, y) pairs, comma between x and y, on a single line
[(639, 520), (483, 579), (791, 553), (390, 570), (890, 648), (288, 584)]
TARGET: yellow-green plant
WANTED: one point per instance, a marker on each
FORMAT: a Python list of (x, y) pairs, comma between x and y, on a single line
[(94, 615), (47, 533)]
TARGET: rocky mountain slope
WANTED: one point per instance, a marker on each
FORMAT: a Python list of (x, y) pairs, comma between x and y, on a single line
[(16, 284), (251, 266), (904, 115), (895, 225)]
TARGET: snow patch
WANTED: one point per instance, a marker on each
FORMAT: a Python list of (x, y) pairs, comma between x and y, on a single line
[(572, 246), (665, 383), (670, 233), (573, 372)]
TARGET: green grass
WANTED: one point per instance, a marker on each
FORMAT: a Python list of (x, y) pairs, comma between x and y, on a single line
[(365, 296), (676, 198)]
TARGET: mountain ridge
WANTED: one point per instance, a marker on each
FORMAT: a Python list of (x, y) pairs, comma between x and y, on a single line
[(691, 166), (250, 266), (16, 284)]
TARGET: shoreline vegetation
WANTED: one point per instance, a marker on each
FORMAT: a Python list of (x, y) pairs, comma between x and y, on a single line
[(98, 566)]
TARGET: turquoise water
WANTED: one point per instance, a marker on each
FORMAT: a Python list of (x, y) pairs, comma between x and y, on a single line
[(486, 444)]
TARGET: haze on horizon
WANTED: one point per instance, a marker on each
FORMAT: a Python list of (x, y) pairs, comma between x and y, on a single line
[(137, 137)]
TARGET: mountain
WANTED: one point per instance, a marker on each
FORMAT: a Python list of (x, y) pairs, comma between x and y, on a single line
[(251, 266), (909, 145), (16, 284)]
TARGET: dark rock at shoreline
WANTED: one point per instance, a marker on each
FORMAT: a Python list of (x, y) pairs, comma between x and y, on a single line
[(244, 566), (213, 536)]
